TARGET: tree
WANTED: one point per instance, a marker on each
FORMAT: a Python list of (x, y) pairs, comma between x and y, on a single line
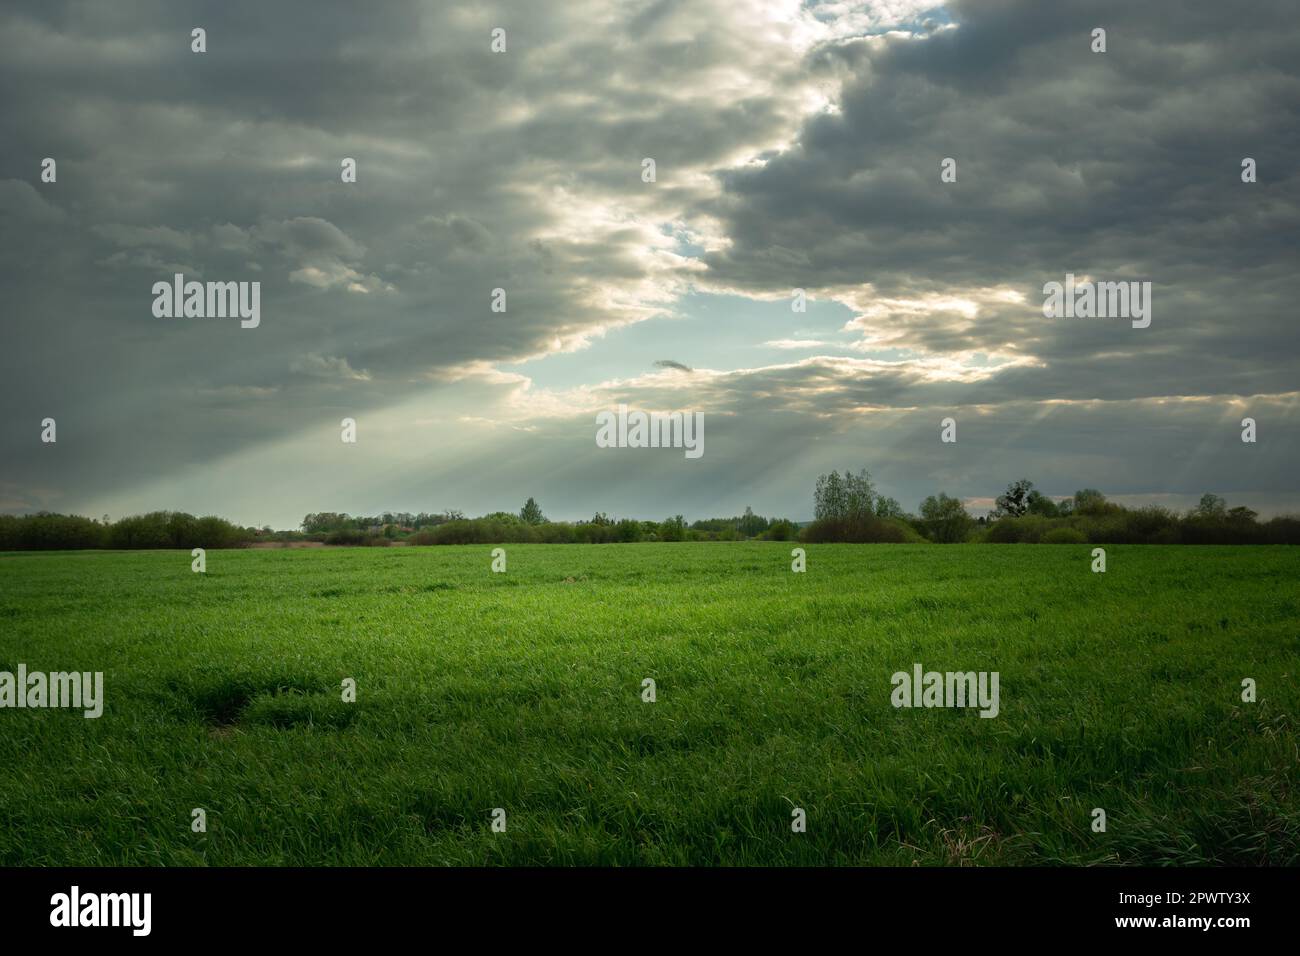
[(1014, 502), (849, 497), (1242, 513), (1089, 501), (531, 513), (507, 518), (945, 519), (782, 529), (1039, 504), (327, 521), (750, 524), (673, 529), (889, 508), (1211, 506), (859, 494), (828, 498)]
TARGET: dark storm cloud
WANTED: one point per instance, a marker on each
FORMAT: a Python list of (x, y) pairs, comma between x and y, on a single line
[(1124, 164), (226, 166)]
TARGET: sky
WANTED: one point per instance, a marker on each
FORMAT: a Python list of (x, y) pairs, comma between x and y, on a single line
[(796, 145)]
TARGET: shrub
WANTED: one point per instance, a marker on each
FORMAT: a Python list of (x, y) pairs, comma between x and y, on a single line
[(1150, 524), (462, 531), (1028, 529), (48, 532), (1220, 530), (556, 532), (673, 529), (1064, 535), (141, 531), (944, 519), (1284, 529), (858, 530), (781, 530), (346, 536), (909, 533), (175, 529), (593, 533), (213, 532)]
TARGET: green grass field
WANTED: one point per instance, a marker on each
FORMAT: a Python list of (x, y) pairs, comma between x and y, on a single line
[(523, 691)]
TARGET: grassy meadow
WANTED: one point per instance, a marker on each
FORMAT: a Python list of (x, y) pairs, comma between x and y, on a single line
[(523, 691)]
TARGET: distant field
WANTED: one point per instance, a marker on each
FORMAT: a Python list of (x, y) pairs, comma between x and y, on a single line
[(523, 691)]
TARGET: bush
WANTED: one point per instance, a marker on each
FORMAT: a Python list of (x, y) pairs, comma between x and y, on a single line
[(859, 530), (1064, 535), (1028, 529), (945, 520), (50, 532), (508, 529), (556, 532), (462, 531), (213, 532), (673, 529), (781, 530), (141, 531), (1151, 524), (175, 529), (1221, 530), (1284, 529), (345, 536), (1106, 528), (593, 533), (909, 533)]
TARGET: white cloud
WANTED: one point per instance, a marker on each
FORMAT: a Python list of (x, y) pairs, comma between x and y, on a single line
[(327, 366)]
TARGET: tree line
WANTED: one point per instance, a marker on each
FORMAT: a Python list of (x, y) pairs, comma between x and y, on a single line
[(530, 525), (45, 531), (846, 507)]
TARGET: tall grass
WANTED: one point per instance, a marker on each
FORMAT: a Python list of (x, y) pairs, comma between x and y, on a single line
[(522, 690)]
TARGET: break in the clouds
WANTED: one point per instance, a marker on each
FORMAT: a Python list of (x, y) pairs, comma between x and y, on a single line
[(795, 146)]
